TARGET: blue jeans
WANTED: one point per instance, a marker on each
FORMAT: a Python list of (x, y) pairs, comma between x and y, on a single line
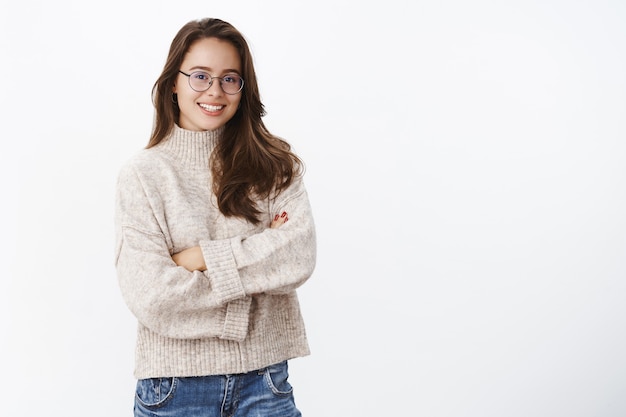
[(262, 393)]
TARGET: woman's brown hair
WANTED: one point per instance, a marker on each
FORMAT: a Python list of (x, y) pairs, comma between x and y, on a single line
[(249, 162)]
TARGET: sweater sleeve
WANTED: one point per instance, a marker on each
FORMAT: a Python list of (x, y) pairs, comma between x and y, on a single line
[(164, 297), (273, 261)]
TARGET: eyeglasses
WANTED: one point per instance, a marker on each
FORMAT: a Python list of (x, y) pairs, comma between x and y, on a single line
[(201, 81)]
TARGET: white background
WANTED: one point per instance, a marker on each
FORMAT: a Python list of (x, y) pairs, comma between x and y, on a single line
[(466, 166)]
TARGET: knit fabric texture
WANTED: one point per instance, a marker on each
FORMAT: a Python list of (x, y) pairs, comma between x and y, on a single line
[(239, 315)]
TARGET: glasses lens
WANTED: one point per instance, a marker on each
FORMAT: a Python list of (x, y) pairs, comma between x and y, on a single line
[(231, 83), (200, 81)]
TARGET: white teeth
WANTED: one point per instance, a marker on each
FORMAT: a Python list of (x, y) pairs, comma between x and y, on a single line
[(208, 107)]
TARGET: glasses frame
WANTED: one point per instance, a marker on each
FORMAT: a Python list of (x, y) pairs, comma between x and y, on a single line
[(211, 82)]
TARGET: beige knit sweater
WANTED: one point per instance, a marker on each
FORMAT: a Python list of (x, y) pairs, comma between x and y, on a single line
[(242, 313)]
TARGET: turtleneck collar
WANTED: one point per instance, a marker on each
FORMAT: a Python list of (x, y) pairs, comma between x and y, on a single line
[(191, 148)]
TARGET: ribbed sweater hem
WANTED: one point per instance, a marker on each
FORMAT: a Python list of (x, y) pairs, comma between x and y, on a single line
[(159, 357)]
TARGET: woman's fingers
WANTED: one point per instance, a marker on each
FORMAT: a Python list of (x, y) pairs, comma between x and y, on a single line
[(279, 220)]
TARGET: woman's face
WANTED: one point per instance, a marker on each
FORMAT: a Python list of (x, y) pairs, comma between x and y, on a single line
[(210, 109)]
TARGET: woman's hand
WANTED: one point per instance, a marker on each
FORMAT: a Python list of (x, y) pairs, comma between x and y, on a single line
[(279, 220), (191, 259)]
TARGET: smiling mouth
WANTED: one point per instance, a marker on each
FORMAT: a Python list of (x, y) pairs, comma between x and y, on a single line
[(211, 108)]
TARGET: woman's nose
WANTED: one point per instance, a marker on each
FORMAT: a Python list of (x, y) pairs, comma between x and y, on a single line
[(215, 89)]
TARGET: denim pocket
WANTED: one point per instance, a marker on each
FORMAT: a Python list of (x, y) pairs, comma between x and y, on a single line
[(154, 393), (276, 377)]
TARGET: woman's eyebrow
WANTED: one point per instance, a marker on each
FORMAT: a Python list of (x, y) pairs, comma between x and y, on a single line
[(208, 69)]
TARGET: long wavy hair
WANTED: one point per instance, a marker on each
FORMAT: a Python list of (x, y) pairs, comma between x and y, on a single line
[(249, 163)]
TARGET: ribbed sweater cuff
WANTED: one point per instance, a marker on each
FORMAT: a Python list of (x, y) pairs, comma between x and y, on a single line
[(222, 270), (236, 321)]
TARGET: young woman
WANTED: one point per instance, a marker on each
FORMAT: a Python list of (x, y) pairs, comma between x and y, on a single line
[(214, 233)]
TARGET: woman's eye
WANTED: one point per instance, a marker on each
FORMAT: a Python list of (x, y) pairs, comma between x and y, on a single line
[(200, 76), (231, 79)]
